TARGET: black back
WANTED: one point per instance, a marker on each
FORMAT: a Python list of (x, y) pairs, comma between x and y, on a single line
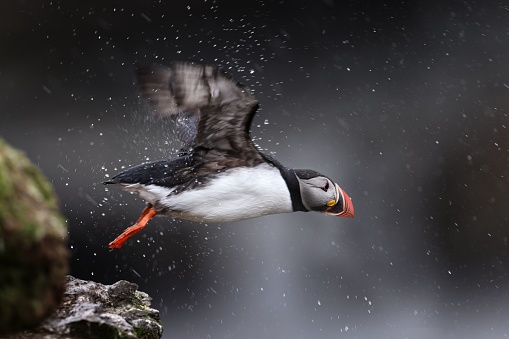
[(168, 173)]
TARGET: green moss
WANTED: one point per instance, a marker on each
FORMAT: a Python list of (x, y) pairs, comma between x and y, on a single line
[(18, 177), (140, 332), (96, 330), (5, 190)]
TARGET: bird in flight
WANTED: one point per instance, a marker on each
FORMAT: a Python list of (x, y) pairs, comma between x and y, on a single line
[(219, 174)]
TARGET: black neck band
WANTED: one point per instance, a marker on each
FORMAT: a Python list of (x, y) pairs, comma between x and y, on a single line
[(292, 183), (293, 186)]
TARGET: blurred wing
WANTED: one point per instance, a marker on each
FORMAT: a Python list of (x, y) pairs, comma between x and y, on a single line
[(202, 94), (154, 86)]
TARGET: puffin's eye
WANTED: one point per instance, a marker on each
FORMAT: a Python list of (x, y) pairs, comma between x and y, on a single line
[(326, 187)]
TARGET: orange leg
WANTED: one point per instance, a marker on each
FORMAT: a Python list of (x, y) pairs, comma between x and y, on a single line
[(119, 241)]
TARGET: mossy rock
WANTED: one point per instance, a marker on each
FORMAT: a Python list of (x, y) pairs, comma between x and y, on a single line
[(33, 244)]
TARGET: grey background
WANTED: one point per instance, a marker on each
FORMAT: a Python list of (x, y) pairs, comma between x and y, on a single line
[(403, 104)]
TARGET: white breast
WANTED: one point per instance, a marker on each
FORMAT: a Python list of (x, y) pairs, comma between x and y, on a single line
[(239, 193)]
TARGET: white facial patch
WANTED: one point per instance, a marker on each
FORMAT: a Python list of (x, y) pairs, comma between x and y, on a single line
[(316, 192)]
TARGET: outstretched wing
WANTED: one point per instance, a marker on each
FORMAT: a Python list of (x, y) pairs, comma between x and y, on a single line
[(223, 110)]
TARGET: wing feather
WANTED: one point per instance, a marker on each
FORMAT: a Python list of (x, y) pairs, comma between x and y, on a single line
[(213, 113)]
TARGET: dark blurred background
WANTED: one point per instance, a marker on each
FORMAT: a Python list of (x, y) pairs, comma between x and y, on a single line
[(404, 104)]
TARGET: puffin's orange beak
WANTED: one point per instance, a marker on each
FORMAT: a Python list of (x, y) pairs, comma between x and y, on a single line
[(343, 206)]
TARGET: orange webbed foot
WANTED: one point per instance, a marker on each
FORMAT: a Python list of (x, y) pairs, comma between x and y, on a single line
[(119, 241)]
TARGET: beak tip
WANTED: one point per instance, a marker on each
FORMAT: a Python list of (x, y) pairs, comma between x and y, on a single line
[(348, 209)]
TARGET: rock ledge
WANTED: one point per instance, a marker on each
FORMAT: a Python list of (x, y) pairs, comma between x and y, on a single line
[(93, 310)]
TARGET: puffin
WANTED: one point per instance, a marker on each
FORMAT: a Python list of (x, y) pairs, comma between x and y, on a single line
[(219, 174)]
